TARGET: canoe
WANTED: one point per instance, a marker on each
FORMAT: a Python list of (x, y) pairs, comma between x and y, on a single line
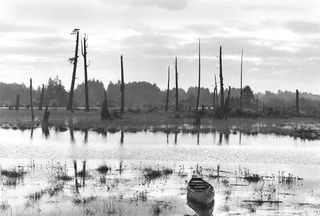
[(200, 191), (201, 209)]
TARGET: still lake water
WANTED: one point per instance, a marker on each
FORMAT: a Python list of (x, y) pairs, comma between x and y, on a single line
[(290, 169)]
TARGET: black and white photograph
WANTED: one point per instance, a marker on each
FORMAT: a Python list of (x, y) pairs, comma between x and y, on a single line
[(159, 107)]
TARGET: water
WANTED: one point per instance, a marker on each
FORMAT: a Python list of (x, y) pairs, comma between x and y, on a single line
[(125, 190)]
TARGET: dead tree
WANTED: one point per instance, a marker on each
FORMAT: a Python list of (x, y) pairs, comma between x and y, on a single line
[(177, 88), (74, 61), (168, 90), (31, 106), (221, 81), (198, 96), (214, 98), (104, 109), (41, 98), (84, 47), (17, 102), (241, 79), (297, 102), (46, 116), (75, 175), (84, 173), (122, 86), (227, 104), (216, 88)]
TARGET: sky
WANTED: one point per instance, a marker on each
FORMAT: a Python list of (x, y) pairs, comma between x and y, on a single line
[(280, 39)]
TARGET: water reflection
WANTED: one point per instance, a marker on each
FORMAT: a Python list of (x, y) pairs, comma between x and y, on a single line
[(220, 138), (83, 173), (72, 140), (198, 138), (167, 138), (226, 137), (31, 134), (85, 140), (121, 137), (75, 176), (121, 152), (175, 138), (45, 131)]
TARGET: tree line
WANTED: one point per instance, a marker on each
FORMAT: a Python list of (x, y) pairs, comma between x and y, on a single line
[(145, 94)]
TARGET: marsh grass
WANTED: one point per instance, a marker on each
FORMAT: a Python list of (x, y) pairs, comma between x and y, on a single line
[(84, 200), (83, 174), (151, 174), (4, 205), (64, 177), (13, 173), (253, 178), (103, 169), (167, 171)]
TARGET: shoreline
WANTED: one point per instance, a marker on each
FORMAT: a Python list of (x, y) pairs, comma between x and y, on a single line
[(169, 123)]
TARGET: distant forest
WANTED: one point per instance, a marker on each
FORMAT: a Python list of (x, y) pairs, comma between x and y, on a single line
[(144, 94)]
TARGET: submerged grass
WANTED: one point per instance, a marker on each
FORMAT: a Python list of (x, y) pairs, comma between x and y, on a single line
[(64, 177), (103, 169), (150, 173), (13, 173), (253, 178)]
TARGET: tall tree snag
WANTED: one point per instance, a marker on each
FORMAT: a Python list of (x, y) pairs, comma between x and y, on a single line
[(216, 88), (84, 47), (227, 104), (168, 90), (46, 115), (214, 98), (198, 96), (122, 86), (104, 109), (177, 87), (41, 98), (241, 79), (74, 61), (297, 102), (31, 105), (221, 81)]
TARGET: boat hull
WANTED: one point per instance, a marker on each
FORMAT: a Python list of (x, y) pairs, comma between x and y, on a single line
[(200, 191)]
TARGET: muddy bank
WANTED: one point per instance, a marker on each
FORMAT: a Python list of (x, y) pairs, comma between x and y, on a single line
[(61, 120)]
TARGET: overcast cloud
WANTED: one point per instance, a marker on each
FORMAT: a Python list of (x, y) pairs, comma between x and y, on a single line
[(281, 41)]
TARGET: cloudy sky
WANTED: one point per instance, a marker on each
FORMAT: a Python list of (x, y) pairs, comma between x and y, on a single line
[(280, 38)]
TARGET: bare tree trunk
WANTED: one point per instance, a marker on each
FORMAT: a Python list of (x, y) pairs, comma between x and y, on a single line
[(227, 104), (84, 173), (104, 110), (75, 175), (221, 81), (216, 88), (177, 88), (122, 86), (297, 102), (198, 96), (241, 80), (46, 116), (41, 98), (17, 102), (168, 90), (74, 60), (31, 105), (84, 47), (214, 99)]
